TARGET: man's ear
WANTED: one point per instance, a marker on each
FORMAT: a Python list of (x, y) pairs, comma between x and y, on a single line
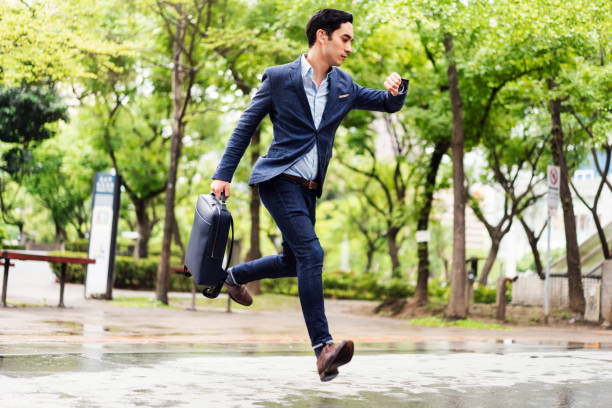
[(321, 34)]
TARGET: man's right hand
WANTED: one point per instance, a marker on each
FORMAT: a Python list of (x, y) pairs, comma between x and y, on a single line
[(219, 186)]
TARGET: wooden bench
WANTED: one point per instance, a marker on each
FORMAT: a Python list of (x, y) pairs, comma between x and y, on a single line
[(7, 256)]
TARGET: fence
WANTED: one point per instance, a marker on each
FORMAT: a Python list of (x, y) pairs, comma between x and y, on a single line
[(529, 290)]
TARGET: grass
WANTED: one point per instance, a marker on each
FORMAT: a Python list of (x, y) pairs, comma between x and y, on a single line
[(262, 302), (139, 301), (270, 302), (436, 321)]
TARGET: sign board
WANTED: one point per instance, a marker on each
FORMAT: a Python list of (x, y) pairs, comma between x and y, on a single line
[(422, 236), (553, 177), (103, 236)]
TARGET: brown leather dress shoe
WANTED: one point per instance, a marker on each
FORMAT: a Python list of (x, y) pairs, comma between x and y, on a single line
[(239, 294), (332, 357)]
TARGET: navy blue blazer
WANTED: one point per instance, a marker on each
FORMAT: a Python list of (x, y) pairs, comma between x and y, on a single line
[(282, 96)]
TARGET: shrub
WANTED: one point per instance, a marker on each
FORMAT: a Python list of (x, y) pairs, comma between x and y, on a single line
[(17, 247), (347, 285), (75, 273), (3, 236), (77, 245), (438, 290), (130, 273), (484, 294)]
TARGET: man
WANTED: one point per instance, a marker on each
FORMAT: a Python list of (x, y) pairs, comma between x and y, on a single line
[(306, 101)]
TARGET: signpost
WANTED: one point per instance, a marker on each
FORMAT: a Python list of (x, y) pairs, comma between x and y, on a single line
[(423, 236), (103, 236), (553, 176)]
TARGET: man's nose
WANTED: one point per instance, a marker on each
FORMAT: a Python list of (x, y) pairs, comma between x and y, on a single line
[(348, 49)]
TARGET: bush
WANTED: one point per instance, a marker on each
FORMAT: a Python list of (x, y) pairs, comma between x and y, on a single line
[(77, 245), (3, 236), (130, 273), (17, 247), (438, 290), (484, 294), (347, 285), (124, 247), (74, 273)]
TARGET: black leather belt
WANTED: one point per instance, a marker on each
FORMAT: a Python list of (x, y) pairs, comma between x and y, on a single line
[(312, 185)]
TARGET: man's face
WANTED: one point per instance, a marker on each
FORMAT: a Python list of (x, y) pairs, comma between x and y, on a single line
[(338, 47)]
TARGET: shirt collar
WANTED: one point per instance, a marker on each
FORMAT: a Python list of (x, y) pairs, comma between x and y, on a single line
[(307, 68)]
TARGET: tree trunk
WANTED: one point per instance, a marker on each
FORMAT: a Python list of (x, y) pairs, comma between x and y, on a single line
[(60, 234), (576, 294), (144, 228), (458, 302), (176, 234), (254, 206), (370, 258), (484, 274), (163, 271), (393, 252), (533, 243), (420, 294)]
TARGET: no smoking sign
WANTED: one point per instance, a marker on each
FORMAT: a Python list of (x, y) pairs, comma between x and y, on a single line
[(553, 188), (553, 176)]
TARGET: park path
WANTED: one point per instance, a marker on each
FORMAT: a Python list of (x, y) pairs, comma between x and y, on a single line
[(88, 321)]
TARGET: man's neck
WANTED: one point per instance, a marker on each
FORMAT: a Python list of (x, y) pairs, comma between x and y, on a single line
[(319, 67)]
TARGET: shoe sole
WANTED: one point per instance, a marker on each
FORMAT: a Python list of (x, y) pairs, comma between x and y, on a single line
[(240, 303), (344, 356)]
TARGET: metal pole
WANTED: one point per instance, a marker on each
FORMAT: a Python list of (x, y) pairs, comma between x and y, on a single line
[(62, 280), (7, 264), (547, 289)]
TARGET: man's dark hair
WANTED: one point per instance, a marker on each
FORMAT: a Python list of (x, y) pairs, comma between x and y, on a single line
[(328, 20)]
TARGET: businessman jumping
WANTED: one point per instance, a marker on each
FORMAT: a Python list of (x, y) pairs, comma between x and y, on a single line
[(306, 100)]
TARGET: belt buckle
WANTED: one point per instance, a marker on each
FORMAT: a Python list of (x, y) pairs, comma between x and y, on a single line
[(311, 185)]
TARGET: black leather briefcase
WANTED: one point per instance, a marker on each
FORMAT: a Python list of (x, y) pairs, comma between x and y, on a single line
[(209, 234)]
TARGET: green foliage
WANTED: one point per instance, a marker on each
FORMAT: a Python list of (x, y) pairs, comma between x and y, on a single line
[(3, 236), (77, 245), (47, 39), (141, 274), (484, 294), (438, 290), (27, 111), (130, 273), (74, 273), (435, 321), (527, 263), (139, 301), (347, 285)]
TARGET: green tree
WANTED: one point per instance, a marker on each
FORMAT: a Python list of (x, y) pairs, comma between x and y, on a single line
[(47, 40), (26, 117)]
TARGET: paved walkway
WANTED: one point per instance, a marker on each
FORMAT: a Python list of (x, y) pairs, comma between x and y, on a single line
[(88, 321)]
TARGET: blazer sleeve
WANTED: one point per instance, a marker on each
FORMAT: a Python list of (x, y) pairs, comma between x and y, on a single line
[(241, 136), (375, 100)]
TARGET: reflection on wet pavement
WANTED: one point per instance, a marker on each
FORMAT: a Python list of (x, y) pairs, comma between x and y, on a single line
[(381, 375)]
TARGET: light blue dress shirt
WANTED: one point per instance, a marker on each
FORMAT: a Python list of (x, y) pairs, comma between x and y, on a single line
[(307, 166)]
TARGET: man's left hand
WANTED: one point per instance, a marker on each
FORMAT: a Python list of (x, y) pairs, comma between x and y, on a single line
[(393, 82)]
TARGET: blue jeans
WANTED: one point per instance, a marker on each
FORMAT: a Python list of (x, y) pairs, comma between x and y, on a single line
[(292, 207)]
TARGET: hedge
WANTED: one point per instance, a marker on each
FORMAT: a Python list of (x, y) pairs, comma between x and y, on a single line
[(124, 247), (130, 273), (347, 285), (484, 294)]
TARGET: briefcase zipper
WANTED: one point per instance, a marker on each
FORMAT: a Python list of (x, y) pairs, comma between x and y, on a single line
[(216, 232)]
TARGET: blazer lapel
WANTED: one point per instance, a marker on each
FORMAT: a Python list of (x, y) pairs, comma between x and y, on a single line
[(299, 88), (332, 100)]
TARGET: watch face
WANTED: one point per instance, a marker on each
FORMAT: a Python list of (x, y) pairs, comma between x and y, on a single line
[(403, 88)]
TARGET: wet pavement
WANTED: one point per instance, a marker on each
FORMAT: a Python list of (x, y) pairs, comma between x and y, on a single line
[(95, 354), (283, 375)]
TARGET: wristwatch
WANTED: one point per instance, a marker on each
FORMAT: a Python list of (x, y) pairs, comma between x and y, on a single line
[(403, 88)]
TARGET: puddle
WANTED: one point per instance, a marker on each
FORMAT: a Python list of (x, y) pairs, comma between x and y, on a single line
[(214, 377), (65, 328)]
